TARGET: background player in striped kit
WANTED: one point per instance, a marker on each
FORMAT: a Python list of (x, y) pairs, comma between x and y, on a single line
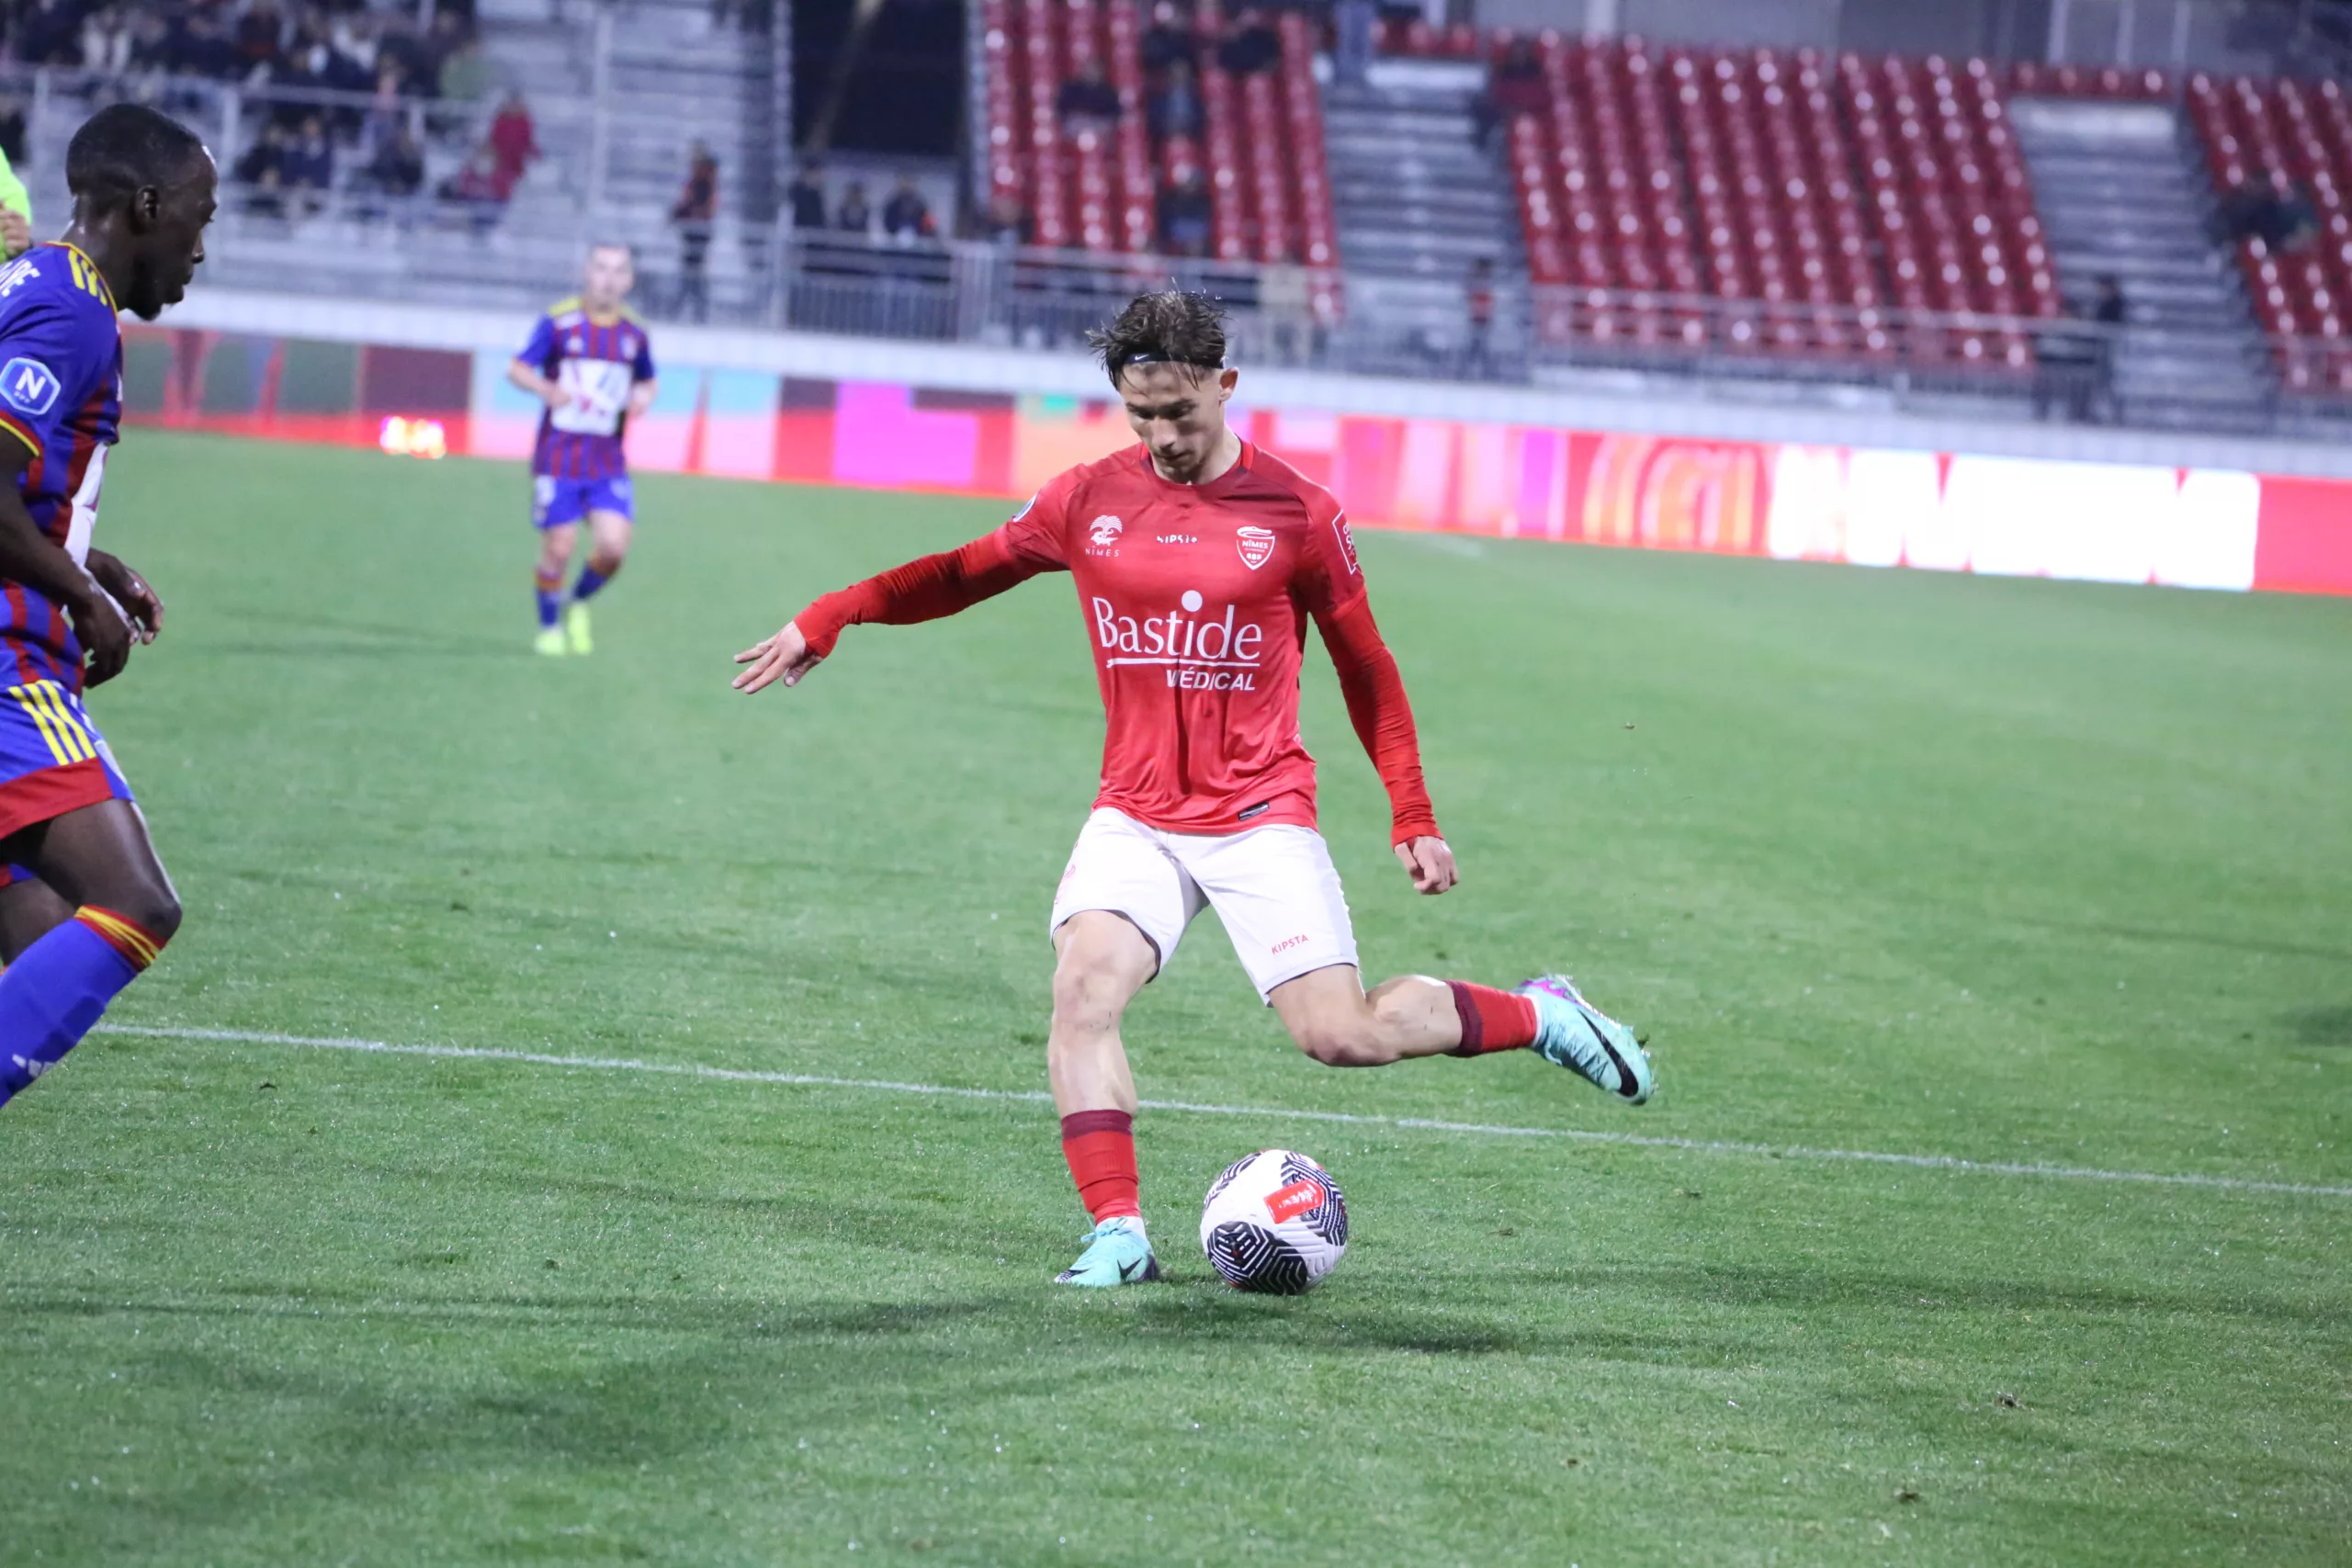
[(87, 905), (590, 361)]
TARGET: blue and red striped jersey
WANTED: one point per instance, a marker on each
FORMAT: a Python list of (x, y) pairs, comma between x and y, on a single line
[(599, 363), (61, 394)]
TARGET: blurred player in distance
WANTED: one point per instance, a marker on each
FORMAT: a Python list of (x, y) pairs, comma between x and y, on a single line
[(85, 905), (1199, 560), (590, 361)]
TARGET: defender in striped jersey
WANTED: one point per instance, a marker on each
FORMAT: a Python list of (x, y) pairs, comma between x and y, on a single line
[(86, 904), (591, 362)]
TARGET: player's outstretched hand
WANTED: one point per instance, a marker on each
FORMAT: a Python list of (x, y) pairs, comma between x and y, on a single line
[(1430, 863), (131, 593), (785, 655), (105, 634)]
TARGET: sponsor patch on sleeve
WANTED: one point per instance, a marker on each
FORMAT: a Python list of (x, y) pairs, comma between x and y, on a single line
[(1347, 544), (28, 385)]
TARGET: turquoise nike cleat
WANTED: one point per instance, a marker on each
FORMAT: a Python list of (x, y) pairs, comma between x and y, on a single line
[(1572, 1033), (1117, 1253)]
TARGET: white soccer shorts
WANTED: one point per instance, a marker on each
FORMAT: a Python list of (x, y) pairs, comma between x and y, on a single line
[(1274, 887)]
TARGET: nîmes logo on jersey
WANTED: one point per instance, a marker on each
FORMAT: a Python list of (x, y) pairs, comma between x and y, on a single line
[(1257, 546), (1200, 653), (28, 385), (1104, 531)]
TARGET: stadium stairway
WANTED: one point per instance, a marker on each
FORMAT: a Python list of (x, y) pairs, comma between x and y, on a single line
[(1417, 201), (2121, 194), (676, 78)]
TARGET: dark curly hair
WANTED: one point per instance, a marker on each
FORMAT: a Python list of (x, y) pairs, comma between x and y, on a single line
[(124, 147), (1172, 326)]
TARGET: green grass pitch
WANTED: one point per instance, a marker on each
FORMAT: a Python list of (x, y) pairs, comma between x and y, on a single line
[(2017, 872)]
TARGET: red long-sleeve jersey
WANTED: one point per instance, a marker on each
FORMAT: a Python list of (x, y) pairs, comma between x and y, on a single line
[(1197, 600)]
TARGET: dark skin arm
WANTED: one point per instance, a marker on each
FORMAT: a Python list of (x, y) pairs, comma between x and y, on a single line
[(100, 622)]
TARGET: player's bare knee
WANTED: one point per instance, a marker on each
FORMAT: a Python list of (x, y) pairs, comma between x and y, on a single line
[(154, 909), (606, 563), (1088, 994)]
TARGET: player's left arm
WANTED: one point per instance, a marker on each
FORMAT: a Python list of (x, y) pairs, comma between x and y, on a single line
[(1331, 586), (1382, 716), (640, 394)]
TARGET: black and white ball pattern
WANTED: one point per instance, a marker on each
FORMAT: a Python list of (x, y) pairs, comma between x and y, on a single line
[(1275, 1222)]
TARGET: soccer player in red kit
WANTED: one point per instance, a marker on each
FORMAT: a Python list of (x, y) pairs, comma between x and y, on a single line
[(1199, 560)]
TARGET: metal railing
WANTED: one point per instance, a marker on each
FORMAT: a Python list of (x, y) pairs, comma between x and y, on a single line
[(2146, 372)]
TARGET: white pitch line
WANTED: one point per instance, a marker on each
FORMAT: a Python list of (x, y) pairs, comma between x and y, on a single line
[(1417, 1123)]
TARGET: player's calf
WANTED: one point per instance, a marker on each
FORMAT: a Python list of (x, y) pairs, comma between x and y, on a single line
[(57, 990), (99, 860)]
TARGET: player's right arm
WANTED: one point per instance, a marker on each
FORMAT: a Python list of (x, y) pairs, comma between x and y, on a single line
[(28, 556), (527, 369), (923, 590)]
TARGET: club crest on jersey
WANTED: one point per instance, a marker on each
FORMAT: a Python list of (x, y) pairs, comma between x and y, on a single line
[(1104, 531), (1256, 545), (28, 385)]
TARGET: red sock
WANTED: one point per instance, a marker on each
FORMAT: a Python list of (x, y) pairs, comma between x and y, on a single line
[(1491, 1020), (1101, 1148)]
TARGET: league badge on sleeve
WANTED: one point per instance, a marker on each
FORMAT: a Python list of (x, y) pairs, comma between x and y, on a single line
[(27, 386)]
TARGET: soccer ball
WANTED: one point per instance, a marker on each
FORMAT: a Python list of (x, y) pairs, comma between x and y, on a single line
[(1275, 1222)]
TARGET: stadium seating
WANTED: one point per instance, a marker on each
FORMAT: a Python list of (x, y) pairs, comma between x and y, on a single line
[(1261, 148), (2293, 137), (1824, 206)]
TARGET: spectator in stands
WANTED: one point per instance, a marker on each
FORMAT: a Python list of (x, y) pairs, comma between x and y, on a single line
[(48, 32), (398, 168), (354, 36), (1007, 222), (1285, 307), (1168, 38), (464, 71), (1184, 216), (906, 217), (153, 42), (2111, 311), (261, 171), (1087, 100), (306, 164), (449, 34), (513, 141), (1515, 87), (258, 35), (202, 47), (1251, 46), (853, 216), (694, 213), (806, 197), (106, 42), (1176, 107), (1353, 24), (474, 188), (387, 107), (1478, 302), (2282, 217), (396, 40)]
